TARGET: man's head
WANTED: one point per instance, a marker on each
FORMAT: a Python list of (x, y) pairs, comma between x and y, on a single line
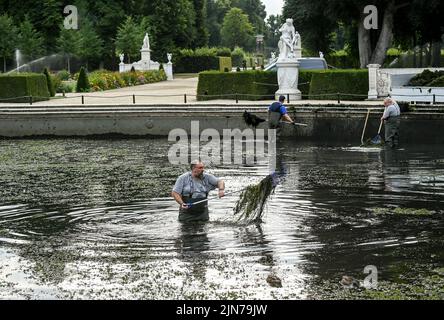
[(388, 101), (197, 168), (281, 99), (289, 21)]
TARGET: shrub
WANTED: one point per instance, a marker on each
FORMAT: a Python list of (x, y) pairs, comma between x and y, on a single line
[(66, 86), (237, 56), (20, 86), (325, 84), (223, 52), (49, 82), (63, 75), (425, 78), (341, 59), (83, 82), (57, 82), (438, 82)]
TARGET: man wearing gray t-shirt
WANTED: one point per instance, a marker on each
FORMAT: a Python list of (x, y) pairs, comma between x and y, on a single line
[(392, 117), (192, 187)]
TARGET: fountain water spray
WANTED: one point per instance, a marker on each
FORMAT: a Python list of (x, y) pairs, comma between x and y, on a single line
[(17, 59)]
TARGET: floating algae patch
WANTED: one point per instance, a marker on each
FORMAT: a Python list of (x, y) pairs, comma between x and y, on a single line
[(403, 211), (252, 200), (418, 284)]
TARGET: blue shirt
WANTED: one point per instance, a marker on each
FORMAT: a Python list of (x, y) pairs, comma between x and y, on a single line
[(278, 107)]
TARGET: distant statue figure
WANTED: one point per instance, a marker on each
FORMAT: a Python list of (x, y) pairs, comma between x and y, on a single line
[(273, 55), (288, 40), (121, 56), (169, 56), (146, 42), (321, 54), (297, 42)]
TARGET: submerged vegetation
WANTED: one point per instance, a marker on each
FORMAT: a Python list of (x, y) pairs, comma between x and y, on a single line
[(403, 211)]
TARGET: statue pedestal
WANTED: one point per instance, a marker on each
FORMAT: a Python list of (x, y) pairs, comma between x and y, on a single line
[(373, 81), (168, 68), (288, 74)]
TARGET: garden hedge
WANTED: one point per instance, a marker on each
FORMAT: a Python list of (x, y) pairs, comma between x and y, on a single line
[(262, 85), (325, 85), (18, 87), (250, 85)]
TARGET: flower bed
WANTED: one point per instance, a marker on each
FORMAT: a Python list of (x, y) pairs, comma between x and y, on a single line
[(106, 80)]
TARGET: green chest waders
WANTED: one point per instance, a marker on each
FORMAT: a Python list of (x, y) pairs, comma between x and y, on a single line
[(274, 119), (198, 212), (392, 131)]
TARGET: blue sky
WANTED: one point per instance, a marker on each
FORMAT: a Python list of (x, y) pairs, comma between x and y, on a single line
[(273, 6)]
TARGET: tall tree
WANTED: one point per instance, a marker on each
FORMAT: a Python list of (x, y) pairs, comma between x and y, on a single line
[(128, 40), (215, 13), (8, 41), (272, 33), (255, 10), (68, 44), (201, 39), (90, 44), (30, 41), (236, 29)]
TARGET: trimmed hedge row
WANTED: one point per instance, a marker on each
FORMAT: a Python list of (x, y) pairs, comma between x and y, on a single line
[(325, 84), (202, 59), (195, 64), (23, 85), (262, 85), (246, 83)]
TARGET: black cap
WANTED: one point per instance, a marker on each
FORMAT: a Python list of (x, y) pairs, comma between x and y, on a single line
[(281, 98)]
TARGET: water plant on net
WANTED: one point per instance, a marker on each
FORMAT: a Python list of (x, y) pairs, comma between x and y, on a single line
[(251, 204)]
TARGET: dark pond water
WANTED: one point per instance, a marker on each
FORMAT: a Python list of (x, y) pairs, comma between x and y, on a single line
[(93, 219)]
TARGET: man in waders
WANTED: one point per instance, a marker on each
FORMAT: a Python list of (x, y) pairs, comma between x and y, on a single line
[(391, 117), (276, 112), (192, 187)]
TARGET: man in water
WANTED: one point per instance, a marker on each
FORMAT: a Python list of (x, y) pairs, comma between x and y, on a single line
[(276, 112), (192, 187), (391, 117)]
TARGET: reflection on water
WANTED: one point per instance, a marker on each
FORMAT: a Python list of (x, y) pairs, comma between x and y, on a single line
[(93, 219)]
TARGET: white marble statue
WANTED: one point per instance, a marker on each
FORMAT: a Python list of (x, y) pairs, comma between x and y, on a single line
[(321, 54), (146, 42), (121, 56), (169, 57), (288, 41), (273, 55)]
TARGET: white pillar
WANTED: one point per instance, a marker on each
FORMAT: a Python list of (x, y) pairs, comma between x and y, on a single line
[(373, 81), (168, 67)]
